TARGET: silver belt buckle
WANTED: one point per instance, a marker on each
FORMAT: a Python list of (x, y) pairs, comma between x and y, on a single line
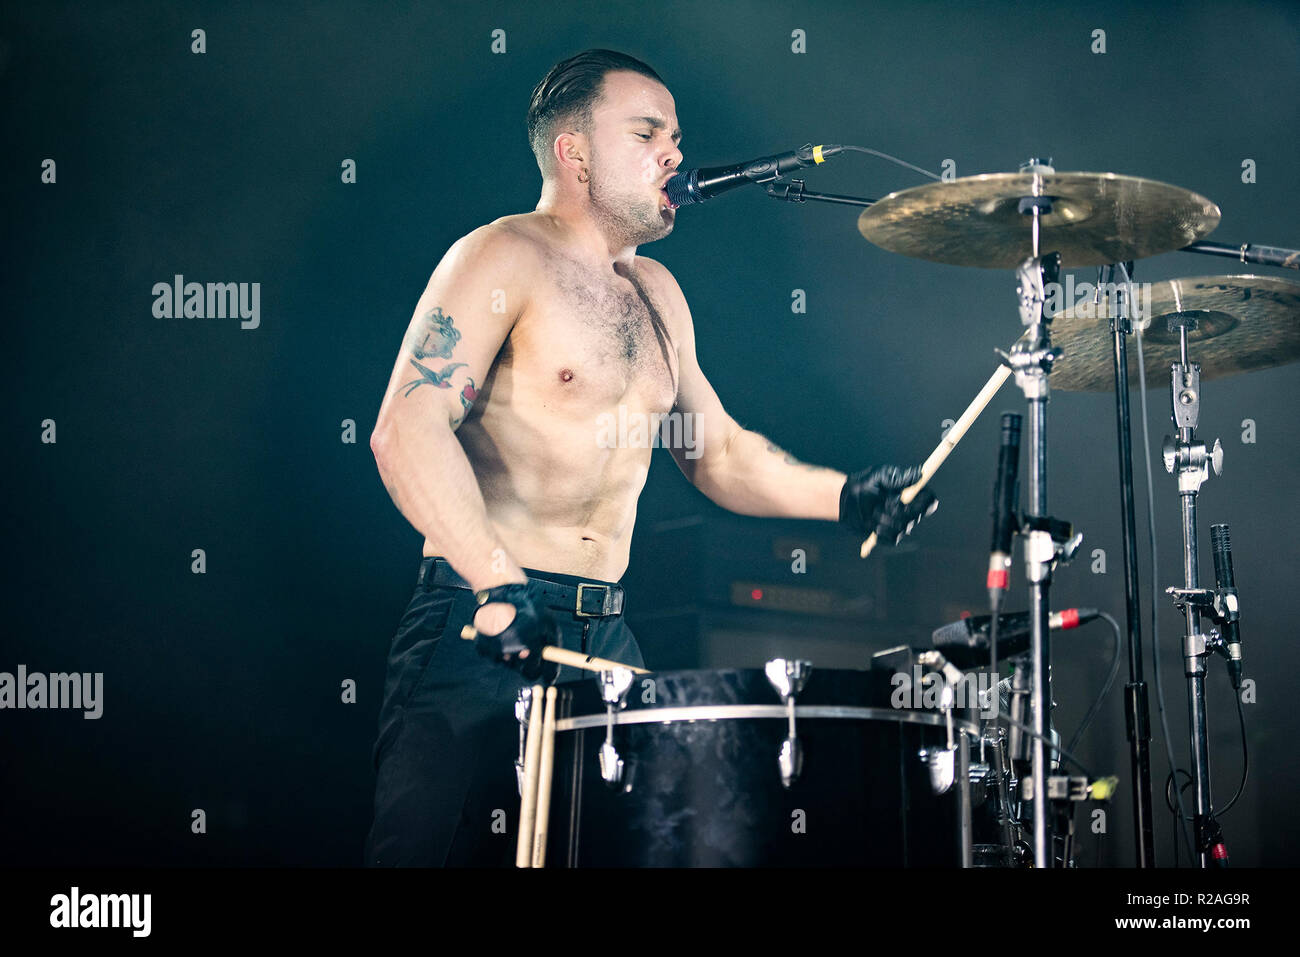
[(604, 603)]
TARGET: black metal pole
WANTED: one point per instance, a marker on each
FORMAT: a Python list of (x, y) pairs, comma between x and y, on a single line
[(1137, 715)]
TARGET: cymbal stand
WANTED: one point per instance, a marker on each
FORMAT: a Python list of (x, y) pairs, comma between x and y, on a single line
[(1031, 361), (1190, 461)]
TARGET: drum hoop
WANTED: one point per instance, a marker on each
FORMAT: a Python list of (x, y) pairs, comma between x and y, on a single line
[(757, 711)]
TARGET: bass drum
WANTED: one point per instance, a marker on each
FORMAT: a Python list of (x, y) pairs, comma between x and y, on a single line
[(695, 763)]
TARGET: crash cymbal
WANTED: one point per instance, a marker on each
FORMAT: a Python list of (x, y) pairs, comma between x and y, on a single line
[(1243, 323), (1095, 219)]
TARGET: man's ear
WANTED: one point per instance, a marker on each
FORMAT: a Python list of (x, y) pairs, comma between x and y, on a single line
[(571, 150)]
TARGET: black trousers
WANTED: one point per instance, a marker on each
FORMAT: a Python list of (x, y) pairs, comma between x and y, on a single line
[(445, 789)]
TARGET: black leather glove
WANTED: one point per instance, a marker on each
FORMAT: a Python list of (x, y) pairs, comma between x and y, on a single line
[(530, 629), (869, 502)]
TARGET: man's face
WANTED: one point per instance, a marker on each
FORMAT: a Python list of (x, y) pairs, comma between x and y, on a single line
[(634, 151)]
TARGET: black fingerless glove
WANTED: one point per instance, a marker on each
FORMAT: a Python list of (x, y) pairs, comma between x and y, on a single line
[(870, 502), (530, 630)]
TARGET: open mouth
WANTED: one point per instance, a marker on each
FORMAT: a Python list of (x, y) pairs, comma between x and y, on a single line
[(670, 204)]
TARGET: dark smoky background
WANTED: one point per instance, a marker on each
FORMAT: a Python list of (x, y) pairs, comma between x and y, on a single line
[(222, 691)]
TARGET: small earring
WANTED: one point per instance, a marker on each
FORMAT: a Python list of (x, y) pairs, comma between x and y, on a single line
[(584, 177)]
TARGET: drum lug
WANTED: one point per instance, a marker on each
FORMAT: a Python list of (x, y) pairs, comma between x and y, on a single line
[(611, 765), (790, 760), (942, 765), (613, 691), (613, 686), (788, 676)]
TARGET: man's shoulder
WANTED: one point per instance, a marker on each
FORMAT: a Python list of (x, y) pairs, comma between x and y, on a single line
[(515, 236)]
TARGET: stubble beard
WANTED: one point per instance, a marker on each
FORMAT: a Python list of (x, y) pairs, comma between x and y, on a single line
[(627, 219)]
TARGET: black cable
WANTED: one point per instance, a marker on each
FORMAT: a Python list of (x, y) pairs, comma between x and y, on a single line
[(1245, 755), (1105, 688), (1169, 794), (892, 159), (993, 641), (1245, 768), (1060, 751)]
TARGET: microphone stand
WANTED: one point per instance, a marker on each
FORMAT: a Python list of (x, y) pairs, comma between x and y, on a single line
[(1137, 712), (793, 192), (1189, 461)]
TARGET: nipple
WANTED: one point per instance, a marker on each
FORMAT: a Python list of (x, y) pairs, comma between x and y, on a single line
[(566, 375)]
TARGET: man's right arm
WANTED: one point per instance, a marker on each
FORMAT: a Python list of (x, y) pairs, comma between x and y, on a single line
[(471, 303)]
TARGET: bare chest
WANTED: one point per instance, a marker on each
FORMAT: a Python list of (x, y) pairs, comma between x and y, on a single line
[(599, 341)]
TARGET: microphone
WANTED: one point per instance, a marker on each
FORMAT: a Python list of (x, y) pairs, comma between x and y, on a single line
[(697, 185), (1227, 600), (1006, 495), (966, 642)]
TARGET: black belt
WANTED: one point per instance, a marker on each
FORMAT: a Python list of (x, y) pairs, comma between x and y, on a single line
[(584, 599)]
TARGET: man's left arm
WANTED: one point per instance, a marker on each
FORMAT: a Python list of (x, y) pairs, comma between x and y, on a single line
[(745, 472), (738, 469), (742, 470)]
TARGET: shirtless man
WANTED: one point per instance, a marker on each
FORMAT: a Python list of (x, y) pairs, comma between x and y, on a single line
[(530, 330)]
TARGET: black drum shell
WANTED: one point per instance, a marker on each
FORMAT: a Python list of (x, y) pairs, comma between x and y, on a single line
[(708, 793)]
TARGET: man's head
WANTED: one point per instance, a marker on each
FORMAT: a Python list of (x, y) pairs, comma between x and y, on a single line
[(603, 127)]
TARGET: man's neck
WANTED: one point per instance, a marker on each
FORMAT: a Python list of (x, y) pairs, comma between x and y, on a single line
[(587, 236)]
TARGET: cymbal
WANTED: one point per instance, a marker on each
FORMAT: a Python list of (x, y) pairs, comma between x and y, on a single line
[(1095, 219), (1243, 323)]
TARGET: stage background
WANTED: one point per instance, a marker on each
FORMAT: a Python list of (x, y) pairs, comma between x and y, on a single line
[(224, 691)]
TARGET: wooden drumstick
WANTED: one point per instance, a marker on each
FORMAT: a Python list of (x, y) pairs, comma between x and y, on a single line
[(576, 659), (937, 457), (562, 656), (547, 765), (528, 800)]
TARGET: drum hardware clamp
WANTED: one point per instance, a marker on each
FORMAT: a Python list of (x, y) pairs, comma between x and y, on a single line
[(614, 685), (788, 676)]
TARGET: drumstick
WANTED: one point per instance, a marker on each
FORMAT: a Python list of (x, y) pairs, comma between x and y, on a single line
[(576, 659), (544, 781), (528, 800), (949, 443), (562, 656)]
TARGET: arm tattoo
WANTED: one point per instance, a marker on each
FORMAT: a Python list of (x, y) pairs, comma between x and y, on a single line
[(789, 459), (467, 397), (435, 337), (438, 379)]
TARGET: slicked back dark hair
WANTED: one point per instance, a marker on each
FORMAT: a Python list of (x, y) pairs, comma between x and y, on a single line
[(570, 90)]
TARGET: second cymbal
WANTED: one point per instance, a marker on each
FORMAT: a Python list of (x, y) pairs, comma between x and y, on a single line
[(1242, 323)]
